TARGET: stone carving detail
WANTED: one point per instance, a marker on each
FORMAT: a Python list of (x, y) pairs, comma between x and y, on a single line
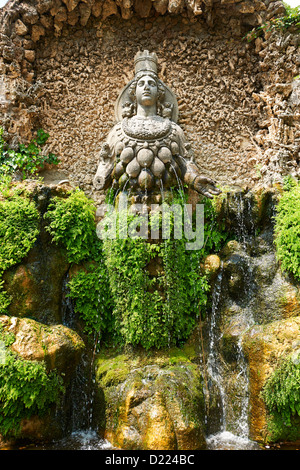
[(146, 151)]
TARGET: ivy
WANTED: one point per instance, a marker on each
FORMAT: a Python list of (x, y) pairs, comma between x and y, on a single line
[(28, 159), (292, 18), (72, 225), (281, 390), (26, 389), (89, 290), (287, 229), (158, 309), (19, 228)]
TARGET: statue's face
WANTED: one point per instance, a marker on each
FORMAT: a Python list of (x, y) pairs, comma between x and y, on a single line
[(146, 91)]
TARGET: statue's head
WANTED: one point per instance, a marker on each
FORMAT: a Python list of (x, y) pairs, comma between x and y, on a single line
[(146, 89)]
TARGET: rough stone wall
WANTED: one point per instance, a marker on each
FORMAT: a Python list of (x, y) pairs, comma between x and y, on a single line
[(64, 63), (278, 138)]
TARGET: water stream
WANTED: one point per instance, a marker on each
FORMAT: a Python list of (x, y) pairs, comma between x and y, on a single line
[(232, 430)]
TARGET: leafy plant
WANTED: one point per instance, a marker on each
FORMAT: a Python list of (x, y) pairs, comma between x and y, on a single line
[(281, 391), (292, 18), (26, 388), (72, 224), (89, 290), (158, 306), (287, 229), (19, 228), (27, 159)]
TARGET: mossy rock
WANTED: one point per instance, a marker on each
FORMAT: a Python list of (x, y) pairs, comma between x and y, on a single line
[(58, 346), (153, 401), (265, 346)]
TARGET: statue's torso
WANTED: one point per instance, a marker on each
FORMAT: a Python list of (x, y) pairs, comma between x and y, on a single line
[(145, 151)]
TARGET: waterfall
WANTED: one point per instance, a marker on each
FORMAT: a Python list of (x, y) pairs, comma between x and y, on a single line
[(227, 423), (80, 395)]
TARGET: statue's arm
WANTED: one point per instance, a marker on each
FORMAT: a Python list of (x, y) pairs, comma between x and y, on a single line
[(103, 177), (190, 172)]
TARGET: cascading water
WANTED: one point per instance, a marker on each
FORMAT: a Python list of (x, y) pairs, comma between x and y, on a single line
[(228, 380), (78, 421)]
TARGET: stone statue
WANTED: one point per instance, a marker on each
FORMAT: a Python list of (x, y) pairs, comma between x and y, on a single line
[(146, 151)]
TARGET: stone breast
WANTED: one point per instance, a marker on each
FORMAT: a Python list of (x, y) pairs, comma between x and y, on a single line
[(146, 129)]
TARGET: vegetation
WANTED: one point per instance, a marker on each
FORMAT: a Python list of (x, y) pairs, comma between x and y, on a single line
[(90, 292), (287, 228), (72, 225), (115, 292), (158, 289), (291, 18), (281, 395), (19, 228), (26, 388), (26, 159)]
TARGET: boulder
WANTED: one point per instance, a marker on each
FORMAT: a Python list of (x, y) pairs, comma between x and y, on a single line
[(58, 346), (152, 401), (265, 346)]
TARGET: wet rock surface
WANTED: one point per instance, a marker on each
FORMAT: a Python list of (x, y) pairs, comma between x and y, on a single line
[(254, 318), (152, 402)]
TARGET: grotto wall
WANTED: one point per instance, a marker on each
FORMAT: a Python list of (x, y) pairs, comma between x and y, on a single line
[(63, 64)]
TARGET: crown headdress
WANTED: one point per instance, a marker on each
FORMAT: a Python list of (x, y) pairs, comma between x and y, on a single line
[(145, 62)]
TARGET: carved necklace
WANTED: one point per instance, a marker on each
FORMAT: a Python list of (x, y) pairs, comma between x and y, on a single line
[(153, 128)]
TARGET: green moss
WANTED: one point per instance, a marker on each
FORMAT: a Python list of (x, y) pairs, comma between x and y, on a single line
[(281, 395), (287, 230), (19, 228), (187, 353), (111, 371), (71, 222), (26, 388)]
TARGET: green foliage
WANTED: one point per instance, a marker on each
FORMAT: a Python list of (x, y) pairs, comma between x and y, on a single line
[(159, 308), (281, 392), (28, 159), (72, 224), (287, 229), (215, 233), (89, 289), (19, 228), (149, 309), (26, 389), (292, 18)]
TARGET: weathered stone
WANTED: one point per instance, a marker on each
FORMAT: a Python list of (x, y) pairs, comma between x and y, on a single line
[(29, 14), (97, 8), (37, 32), (195, 6), (246, 7), (212, 265), (20, 28), (71, 4), (143, 7), (161, 6), (85, 13), (57, 345), (29, 55), (61, 14), (265, 346), (109, 8), (43, 6), (73, 17), (175, 6), (46, 21), (158, 400)]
